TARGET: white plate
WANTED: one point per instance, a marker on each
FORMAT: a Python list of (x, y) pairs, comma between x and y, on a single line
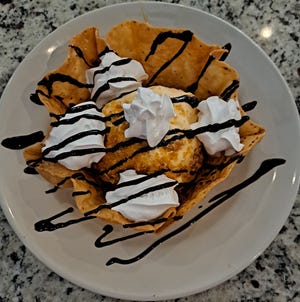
[(212, 250)]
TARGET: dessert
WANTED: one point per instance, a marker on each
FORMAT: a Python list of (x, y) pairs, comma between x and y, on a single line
[(143, 124)]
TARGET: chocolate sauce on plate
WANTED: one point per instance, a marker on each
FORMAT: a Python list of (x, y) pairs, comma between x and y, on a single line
[(109, 229), (47, 224), (34, 97), (249, 106), (264, 168), (30, 170), (217, 200), (23, 141)]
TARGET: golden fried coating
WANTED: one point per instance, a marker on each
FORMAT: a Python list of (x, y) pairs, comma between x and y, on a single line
[(180, 158)]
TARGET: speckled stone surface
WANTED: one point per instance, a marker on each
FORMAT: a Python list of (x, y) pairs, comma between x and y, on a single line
[(275, 275)]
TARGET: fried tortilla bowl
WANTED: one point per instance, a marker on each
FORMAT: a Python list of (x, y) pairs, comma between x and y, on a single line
[(176, 59)]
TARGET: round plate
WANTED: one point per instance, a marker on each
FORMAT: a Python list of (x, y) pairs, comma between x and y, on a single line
[(212, 250)]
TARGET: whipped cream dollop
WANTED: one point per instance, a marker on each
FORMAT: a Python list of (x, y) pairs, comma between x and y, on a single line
[(215, 110), (76, 139), (148, 116), (114, 77), (146, 197)]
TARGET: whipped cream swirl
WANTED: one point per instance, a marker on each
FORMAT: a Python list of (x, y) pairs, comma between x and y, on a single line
[(114, 77), (145, 197), (76, 139), (215, 110), (148, 116)]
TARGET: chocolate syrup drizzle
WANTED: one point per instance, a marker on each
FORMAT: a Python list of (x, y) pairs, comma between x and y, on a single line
[(185, 36), (109, 229), (193, 87), (225, 54), (120, 62), (23, 141), (225, 95), (80, 54), (75, 119), (264, 168), (249, 106), (80, 193), (60, 77), (84, 107), (106, 86), (47, 224), (78, 175), (31, 167), (34, 97), (104, 51), (31, 170), (191, 100)]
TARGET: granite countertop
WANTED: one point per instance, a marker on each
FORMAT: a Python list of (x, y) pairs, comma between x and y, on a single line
[(275, 275)]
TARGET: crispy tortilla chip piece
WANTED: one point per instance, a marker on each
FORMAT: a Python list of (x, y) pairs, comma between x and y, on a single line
[(173, 57), (67, 84)]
